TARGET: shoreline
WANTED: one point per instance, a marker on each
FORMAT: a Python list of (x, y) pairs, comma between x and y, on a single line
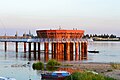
[(80, 62), (104, 69)]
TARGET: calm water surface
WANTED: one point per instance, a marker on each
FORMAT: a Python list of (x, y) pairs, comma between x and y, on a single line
[(109, 52)]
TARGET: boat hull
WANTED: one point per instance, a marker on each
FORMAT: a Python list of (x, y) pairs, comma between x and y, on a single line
[(93, 51), (50, 77)]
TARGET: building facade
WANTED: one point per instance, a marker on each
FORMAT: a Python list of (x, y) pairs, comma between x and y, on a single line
[(60, 34)]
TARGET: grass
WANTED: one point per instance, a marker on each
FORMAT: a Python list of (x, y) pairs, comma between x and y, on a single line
[(67, 65), (115, 66), (53, 65), (87, 76)]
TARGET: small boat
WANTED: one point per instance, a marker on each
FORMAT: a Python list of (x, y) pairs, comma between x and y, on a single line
[(7, 78), (93, 51), (56, 75)]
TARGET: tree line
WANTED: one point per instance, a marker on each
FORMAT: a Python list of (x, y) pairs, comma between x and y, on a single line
[(100, 36)]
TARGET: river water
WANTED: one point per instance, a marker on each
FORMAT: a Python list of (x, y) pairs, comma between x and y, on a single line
[(12, 65)]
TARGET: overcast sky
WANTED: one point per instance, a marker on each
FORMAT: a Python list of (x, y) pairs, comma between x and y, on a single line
[(93, 16)]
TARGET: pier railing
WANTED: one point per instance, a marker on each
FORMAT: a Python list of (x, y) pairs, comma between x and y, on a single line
[(42, 40)]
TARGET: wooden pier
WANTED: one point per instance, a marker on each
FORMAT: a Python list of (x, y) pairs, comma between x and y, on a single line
[(60, 50)]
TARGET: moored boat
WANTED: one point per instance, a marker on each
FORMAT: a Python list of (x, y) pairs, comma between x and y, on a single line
[(56, 75), (93, 51)]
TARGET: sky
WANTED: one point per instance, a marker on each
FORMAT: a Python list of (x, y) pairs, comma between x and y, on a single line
[(93, 16)]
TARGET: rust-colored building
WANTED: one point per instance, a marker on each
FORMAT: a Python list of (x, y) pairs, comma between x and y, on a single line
[(64, 50), (60, 34)]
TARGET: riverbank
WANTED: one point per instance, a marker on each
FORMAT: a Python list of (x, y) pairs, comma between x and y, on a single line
[(105, 69)]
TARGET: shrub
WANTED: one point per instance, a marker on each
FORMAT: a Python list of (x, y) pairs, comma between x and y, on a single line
[(86, 76), (38, 66), (52, 65)]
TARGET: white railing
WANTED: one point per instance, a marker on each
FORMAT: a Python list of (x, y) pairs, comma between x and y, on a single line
[(41, 40)]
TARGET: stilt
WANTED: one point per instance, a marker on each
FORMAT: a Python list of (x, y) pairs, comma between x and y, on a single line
[(38, 51), (79, 49), (82, 50), (52, 50), (85, 50), (65, 52), (57, 51), (76, 51), (71, 51), (16, 47), (68, 51), (46, 56), (5, 46), (29, 50), (24, 47), (61, 51), (35, 50)]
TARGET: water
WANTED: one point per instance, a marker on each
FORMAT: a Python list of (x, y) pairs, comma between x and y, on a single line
[(109, 52), (16, 66)]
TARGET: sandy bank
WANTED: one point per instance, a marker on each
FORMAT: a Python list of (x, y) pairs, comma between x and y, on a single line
[(102, 68)]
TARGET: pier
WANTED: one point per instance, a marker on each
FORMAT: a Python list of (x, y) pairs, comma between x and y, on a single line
[(62, 45)]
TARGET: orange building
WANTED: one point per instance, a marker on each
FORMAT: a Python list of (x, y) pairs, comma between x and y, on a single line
[(64, 50), (61, 34)]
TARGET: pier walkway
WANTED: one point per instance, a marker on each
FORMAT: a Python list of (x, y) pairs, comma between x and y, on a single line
[(41, 40)]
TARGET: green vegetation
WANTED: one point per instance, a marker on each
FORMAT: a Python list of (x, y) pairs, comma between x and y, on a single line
[(38, 66), (52, 65), (115, 66), (67, 65), (87, 76)]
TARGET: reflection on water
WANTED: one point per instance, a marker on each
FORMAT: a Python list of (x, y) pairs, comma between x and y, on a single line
[(15, 64)]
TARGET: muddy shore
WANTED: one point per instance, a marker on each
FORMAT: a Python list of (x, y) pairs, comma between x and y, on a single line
[(101, 68)]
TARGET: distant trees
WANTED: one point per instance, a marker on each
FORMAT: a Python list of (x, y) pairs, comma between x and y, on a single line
[(101, 36)]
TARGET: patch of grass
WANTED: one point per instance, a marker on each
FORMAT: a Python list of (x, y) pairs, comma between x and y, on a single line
[(52, 65), (67, 65), (38, 66), (115, 65), (87, 76)]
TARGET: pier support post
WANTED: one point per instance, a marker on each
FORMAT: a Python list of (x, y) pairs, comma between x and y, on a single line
[(52, 45), (79, 50), (76, 51), (29, 50), (38, 50), (65, 54), (71, 51), (24, 47), (35, 50), (61, 51), (46, 49), (82, 50), (68, 51), (57, 51), (85, 51), (16, 47), (5, 46)]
